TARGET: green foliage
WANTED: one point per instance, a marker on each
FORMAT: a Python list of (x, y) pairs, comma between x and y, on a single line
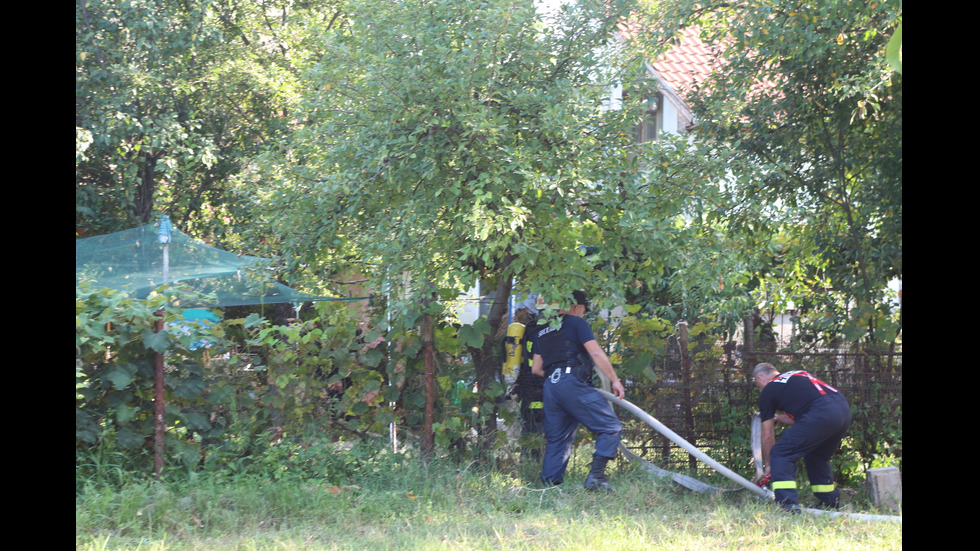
[(222, 411), (809, 113), (875, 436), (245, 412), (430, 153), (171, 100), (424, 146), (446, 145), (441, 145), (639, 338), (116, 346)]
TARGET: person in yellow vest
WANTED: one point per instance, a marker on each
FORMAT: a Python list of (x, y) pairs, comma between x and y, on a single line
[(528, 386)]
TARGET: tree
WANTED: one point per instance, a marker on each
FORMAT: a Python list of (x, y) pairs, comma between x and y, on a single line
[(443, 143), (172, 97), (807, 100)]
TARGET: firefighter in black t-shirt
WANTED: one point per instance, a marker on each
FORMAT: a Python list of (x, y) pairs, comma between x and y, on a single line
[(819, 416), (566, 357)]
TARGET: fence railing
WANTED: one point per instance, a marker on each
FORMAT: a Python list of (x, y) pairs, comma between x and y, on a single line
[(706, 396)]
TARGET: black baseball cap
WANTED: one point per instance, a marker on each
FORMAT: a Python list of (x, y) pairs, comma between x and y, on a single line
[(580, 299)]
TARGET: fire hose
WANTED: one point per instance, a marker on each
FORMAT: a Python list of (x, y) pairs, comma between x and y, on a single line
[(673, 437)]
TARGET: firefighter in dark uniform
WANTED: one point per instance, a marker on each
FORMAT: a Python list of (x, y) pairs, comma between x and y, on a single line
[(530, 387), (565, 358), (819, 415)]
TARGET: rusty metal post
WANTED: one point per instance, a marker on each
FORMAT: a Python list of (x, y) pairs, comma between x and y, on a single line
[(428, 351), (158, 403)]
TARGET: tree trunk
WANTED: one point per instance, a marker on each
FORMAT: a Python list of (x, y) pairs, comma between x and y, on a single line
[(484, 361), (428, 351), (145, 190)]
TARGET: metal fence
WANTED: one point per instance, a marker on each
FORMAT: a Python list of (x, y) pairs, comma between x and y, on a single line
[(706, 396)]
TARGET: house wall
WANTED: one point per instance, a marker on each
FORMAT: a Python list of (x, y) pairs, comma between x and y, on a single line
[(670, 118), (469, 312)]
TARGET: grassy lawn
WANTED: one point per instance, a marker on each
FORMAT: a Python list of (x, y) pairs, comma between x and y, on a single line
[(447, 506)]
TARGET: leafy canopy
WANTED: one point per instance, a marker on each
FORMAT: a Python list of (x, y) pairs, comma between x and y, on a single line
[(805, 97), (448, 142)]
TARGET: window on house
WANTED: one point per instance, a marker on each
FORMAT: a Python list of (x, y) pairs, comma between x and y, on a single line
[(648, 130)]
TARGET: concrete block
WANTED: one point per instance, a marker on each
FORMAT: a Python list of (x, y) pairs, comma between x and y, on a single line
[(885, 487)]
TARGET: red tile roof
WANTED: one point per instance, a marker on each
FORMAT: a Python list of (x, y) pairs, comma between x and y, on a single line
[(687, 63)]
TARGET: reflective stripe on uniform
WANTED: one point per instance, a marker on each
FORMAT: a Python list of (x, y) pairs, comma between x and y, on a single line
[(822, 488), (536, 405), (784, 485), (817, 383)]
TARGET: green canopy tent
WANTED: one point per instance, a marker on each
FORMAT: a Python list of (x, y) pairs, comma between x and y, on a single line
[(140, 260)]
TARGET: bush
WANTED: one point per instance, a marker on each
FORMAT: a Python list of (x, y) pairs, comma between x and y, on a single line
[(228, 404)]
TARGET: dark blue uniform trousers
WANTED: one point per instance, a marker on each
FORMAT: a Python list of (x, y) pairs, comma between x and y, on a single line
[(567, 403), (816, 437)]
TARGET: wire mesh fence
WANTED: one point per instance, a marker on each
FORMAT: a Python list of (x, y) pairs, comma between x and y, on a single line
[(707, 397)]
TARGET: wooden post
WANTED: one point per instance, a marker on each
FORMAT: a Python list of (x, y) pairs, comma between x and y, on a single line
[(428, 351), (688, 381), (158, 405), (748, 330)]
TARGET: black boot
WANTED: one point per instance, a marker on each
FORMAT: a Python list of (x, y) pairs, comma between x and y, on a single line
[(596, 480)]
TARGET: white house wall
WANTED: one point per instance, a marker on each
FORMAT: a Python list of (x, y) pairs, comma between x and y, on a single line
[(670, 118), (469, 312)]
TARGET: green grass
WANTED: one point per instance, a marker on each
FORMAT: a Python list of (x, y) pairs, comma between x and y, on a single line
[(443, 505)]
